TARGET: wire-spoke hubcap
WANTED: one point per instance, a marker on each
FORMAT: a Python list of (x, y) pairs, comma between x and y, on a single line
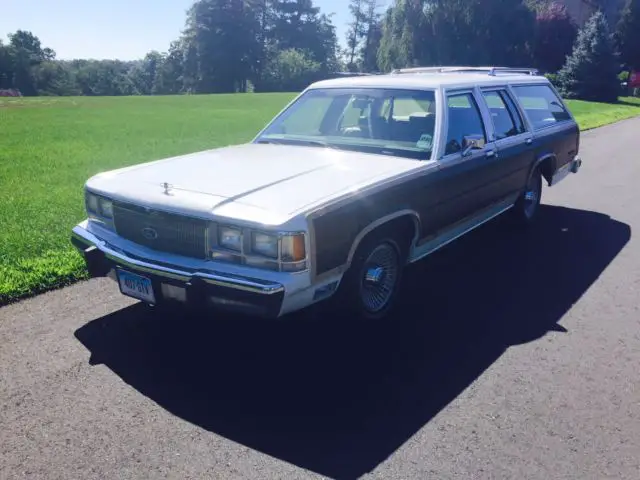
[(379, 278)]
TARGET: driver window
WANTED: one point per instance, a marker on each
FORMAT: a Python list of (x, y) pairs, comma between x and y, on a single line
[(464, 119)]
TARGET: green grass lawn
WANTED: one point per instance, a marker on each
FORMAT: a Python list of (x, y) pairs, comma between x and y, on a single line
[(50, 146)]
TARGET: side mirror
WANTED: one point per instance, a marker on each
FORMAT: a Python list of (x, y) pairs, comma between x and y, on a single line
[(472, 142)]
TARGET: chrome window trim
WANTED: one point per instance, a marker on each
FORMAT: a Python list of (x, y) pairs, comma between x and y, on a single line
[(434, 89), (513, 138), (533, 128), (456, 158)]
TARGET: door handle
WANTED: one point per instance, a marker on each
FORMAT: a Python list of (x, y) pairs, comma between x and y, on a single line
[(529, 141), (492, 154)]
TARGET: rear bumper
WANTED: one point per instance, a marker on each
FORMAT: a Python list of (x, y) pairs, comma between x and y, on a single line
[(172, 283), (562, 173)]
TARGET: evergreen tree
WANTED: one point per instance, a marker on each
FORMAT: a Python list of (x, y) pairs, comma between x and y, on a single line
[(590, 72)]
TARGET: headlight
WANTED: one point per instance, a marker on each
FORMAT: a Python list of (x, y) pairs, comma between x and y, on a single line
[(230, 238), (93, 205), (284, 252), (264, 244), (106, 208)]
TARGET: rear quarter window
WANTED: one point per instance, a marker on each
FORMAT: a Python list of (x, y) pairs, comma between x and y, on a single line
[(541, 105)]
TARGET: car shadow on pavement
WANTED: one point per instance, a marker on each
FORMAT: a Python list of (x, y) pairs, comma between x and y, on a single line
[(339, 400)]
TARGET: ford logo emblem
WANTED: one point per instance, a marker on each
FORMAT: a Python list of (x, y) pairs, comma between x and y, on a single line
[(149, 233)]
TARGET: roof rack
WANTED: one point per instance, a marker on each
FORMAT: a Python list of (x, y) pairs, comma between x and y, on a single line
[(492, 71)]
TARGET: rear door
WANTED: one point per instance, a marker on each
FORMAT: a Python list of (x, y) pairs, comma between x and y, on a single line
[(512, 139), (467, 184)]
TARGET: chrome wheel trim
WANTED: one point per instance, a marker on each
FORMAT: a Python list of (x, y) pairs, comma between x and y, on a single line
[(379, 277), (532, 196)]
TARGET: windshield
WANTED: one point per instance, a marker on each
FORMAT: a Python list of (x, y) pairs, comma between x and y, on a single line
[(379, 121)]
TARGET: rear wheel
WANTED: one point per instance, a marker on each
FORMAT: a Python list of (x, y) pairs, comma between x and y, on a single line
[(526, 207)]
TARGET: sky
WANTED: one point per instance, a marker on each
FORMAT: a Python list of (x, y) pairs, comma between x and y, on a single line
[(123, 29)]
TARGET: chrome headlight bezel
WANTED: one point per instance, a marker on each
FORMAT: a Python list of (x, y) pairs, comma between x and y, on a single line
[(99, 208), (259, 248)]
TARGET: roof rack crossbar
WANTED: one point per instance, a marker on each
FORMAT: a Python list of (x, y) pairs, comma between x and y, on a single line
[(527, 71), (493, 71)]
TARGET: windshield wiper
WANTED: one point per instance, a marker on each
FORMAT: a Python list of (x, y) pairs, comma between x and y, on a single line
[(320, 143), (290, 141)]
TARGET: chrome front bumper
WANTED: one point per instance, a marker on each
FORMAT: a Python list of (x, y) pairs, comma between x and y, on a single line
[(238, 292)]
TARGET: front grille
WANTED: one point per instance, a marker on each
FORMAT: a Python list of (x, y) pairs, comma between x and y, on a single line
[(165, 232)]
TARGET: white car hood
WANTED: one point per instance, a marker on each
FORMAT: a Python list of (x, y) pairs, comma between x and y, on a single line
[(262, 183)]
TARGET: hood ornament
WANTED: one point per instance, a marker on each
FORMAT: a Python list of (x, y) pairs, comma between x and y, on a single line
[(167, 187)]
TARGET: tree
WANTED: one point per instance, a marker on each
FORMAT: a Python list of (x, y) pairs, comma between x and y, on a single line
[(455, 32), (555, 33), (223, 46), (404, 32), (298, 24), (169, 75), (6, 66), (590, 73), (357, 30), (55, 78), (628, 35), (26, 52), (373, 34), (289, 70), (500, 33), (144, 74)]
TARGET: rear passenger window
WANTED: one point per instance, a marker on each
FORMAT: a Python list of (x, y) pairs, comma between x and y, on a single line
[(515, 113), (542, 105), (464, 119), (503, 116)]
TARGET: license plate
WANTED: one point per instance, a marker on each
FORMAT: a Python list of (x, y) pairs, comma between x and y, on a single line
[(136, 286)]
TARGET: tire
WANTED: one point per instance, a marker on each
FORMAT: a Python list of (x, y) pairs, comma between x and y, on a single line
[(370, 287), (525, 210)]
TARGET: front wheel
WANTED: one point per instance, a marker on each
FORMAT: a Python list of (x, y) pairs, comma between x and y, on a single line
[(370, 287), (526, 207)]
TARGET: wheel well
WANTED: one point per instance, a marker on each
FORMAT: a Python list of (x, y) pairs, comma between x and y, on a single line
[(547, 168), (405, 227)]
